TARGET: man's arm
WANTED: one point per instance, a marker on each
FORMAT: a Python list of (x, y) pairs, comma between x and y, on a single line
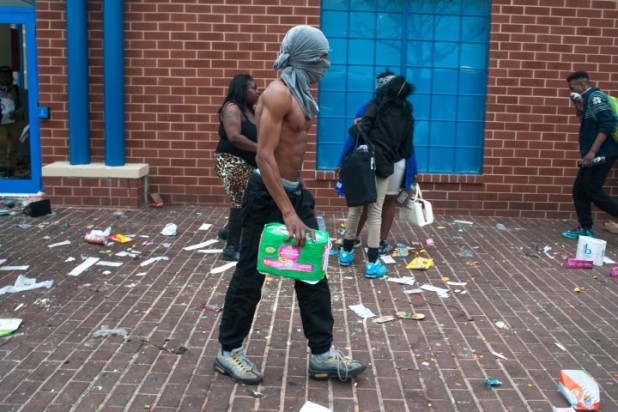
[(275, 105)]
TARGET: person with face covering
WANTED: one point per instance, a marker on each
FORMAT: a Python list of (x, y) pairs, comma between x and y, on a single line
[(275, 194), (11, 123)]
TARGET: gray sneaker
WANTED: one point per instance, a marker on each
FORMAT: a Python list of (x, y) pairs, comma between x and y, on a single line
[(334, 365), (237, 365)]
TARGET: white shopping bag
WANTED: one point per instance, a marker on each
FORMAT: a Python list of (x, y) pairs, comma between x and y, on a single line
[(589, 248), (417, 210)]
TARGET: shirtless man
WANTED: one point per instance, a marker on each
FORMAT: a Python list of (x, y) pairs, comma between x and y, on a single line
[(275, 194)]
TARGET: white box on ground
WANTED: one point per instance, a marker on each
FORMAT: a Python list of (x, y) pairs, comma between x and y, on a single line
[(589, 248)]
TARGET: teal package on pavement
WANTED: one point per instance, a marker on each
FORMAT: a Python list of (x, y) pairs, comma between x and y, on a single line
[(275, 257)]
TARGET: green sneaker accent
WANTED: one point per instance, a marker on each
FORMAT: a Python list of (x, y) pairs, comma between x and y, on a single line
[(577, 232)]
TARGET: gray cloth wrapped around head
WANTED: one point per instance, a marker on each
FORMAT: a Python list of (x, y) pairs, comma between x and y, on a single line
[(301, 64)]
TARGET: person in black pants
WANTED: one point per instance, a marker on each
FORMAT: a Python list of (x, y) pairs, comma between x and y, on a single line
[(595, 142)]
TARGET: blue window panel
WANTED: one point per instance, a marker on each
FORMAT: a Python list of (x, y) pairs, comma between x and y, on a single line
[(332, 130), (420, 27), (476, 7), (470, 134), (334, 80), (470, 108), (441, 159), (329, 155), (361, 51), (475, 29), (474, 55), (362, 25), (420, 53), (472, 81), (332, 104), (335, 24), (355, 101), (338, 51), (334, 5), (421, 6), (421, 106), (389, 26), (422, 157), (388, 52), (446, 54), (445, 81), (443, 107), (443, 134), (447, 28), (365, 5), (396, 6), (360, 79), (421, 78), (447, 6), (469, 160), (421, 133)]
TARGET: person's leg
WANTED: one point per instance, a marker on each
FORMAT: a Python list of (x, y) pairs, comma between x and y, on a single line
[(594, 188), (238, 177), (361, 222), (389, 208), (374, 220), (583, 205), (354, 214)]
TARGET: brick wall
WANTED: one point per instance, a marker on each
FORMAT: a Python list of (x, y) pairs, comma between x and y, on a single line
[(180, 55)]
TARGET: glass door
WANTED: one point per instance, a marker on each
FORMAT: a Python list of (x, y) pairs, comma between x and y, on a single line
[(20, 153)]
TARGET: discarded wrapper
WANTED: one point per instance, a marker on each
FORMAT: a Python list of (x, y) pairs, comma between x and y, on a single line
[(491, 383), (169, 230), (579, 389), (384, 319), (120, 238), (614, 272), (400, 251), (571, 263), (420, 263), (98, 237), (155, 200), (410, 315), (9, 325)]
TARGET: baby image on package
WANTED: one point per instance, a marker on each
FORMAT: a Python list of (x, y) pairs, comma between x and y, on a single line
[(275, 257)]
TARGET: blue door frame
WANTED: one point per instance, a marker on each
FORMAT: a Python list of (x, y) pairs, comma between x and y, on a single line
[(26, 16)]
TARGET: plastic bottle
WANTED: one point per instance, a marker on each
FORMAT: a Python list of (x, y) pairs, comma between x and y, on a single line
[(403, 195), (598, 160), (339, 187)]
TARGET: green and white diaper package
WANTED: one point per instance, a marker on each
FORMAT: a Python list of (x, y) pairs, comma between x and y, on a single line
[(275, 257)]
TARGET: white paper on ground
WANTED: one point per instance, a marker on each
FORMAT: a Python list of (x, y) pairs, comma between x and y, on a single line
[(224, 267), (605, 260), (210, 251), (2, 261), (313, 407), (362, 311), (387, 259), (9, 325), (413, 291), (108, 263), (200, 245), (205, 226), (14, 267), (405, 280), (443, 293), (124, 253), (464, 222), (456, 283), (153, 259), (23, 283), (66, 242), (85, 265)]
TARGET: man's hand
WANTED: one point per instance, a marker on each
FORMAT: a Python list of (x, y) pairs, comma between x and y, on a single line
[(297, 230), (587, 160)]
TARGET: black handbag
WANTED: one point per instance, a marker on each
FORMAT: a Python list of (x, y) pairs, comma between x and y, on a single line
[(358, 172)]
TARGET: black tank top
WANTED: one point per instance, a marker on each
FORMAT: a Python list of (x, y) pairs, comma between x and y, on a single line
[(247, 129)]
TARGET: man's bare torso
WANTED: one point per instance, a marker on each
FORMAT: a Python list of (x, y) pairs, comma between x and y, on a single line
[(290, 151)]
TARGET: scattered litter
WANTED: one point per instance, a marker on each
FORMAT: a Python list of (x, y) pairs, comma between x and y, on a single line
[(420, 263), (141, 274), (212, 308), (443, 293), (461, 229), (224, 267), (577, 289), (23, 283), (579, 389), (107, 263), (386, 259), (42, 302), (429, 242), (18, 307), (8, 268), (9, 325), (201, 245), (24, 226), (571, 263), (556, 409), (492, 383), (69, 259), (413, 291), (120, 238), (500, 226), (608, 260), (153, 259), (85, 265), (167, 245), (181, 349), (205, 226), (106, 331), (255, 394), (501, 325), (120, 214), (456, 283), (405, 280), (499, 355), (400, 251), (313, 407), (410, 315), (362, 311), (560, 346), (2, 261), (464, 222), (98, 237), (66, 242), (591, 249), (124, 253), (384, 319), (210, 251), (614, 272), (155, 200), (169, 230), (463, 252), (546, 249)]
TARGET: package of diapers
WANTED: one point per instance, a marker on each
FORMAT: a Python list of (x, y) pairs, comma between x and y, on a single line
[(275, 257)]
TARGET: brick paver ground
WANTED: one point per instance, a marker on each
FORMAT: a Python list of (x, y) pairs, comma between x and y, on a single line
[(55, 361)]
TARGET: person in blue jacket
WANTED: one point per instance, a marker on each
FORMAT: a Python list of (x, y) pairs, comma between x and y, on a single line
[(595, 141)]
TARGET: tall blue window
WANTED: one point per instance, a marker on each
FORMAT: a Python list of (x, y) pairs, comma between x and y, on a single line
[(441, 46)]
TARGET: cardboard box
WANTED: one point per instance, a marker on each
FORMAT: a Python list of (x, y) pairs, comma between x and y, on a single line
[(580, 390), (589, 248)]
